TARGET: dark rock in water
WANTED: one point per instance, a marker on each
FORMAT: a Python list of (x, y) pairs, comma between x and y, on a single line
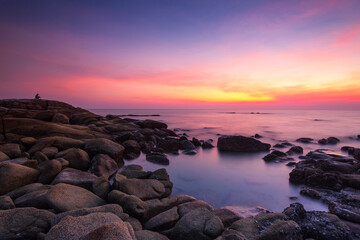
[(310, 193), (158, 158), (146, 147), (241, 144), (6, 203), (293, 198), (151, 124), (258, 136), (134, 167), (207, 145), (186, 145), (305, 140), (290, 164), (329, 140), (64, 197), (196, 142), (295, 150), (345, 212), (274, 155), (200, 224), (323, 141), (348, 149), (24, 223), (132, 149), (103, 165), (75, 177), (190, 152), (168, 145), (183, 138), (356, 153), (318, 225), (149, 235), (279, 145), (14, 175), (105, 146), (268, 226)]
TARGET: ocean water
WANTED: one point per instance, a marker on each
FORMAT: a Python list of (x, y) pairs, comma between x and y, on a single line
[(235, 179)]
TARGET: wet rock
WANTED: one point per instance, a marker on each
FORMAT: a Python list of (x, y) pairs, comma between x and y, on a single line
[(64, 197), (333, 140), (226, 216), (310, 193), (168, 145), (84, 224), (77, 158), (151, 124), (143, 188), (14, 175), (130, 203), (348, 149), (295, 150), (345, 212), (198, 224), (356, 153), (105, 146), (112, 231), (60, 118), (163, 221), (158, 158), (351, 180), (103, 165), (196, 142), (108, 208), (207, 145), (241, 144), (24, 223), (305, 140), (3, 157), (6, 203), (11, 149), (50, 152), (75, 177), (149, 235), (323, 141), (132, 149), (318, 225), (258, 136), (135, 174), (160, 174), (189, 152), (291, 164), (186, 145), (145, 147), (134, 167), (185, 208), (275, 156), (101, 187)]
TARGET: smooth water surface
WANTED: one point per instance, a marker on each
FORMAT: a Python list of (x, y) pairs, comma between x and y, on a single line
[(224, 179)]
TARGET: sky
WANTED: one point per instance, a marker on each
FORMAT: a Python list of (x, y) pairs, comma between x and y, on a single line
[(227, 54)]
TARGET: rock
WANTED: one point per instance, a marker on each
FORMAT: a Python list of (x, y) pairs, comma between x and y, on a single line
[(149, 235), (60, 118), (13, 176), (146, 147), (345, 212), (134, 167), (6, 203), (295, 150), (64, 163), (274, 156), (198, 224), (137, 136), (323, 141), (258, 136), (196, 142), (36, 199), (163, 221), (50, 152), (310, 193), (18, 192), (151, 124), (135, 174), (207, 145), (24, 223), (132, 149), (185, 208), (318, 225), (64, 197), (105, 146), (123, 137), (130, 203), (48, 171), (103, 165), (75, 177), (169, 145), (305, 140), (108, 208), (351, 180), (159, 158), (40, 157), (12, 150), (356, 153), (226, 216), (3, 157), (77, 158), (160, 174), (84, 224), (291, 164), (61, 143), (28, 141), (332, 140), (111, 231), (143, 188), (241, 144), (348, 149), (268, 226), (136, 224), (101, 187), (246, 212), (186, 145), (230, 234)]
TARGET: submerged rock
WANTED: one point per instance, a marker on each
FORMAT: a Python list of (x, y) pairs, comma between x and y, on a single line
[(241, 144), (158, 158)]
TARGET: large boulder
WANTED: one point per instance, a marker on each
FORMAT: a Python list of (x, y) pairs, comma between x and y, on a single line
[(103, 165), (75, 177), (3, 157), (130, 203), (18, 192), (169, 145), (36, 199), (159, 158), (24, 223), (132, 149), (11, 149), (6, 203), (105, 146), (241, 144), (49, 170), (77, 158), (14, 175), (112, 231), (143, 188), (149, 235), (187, 207), (200, 224), (163, 221), (62, 143), (64, 197), (151, 124), (76, 227)]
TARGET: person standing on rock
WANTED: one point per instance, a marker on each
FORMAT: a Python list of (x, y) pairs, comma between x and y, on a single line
[(37, 96)]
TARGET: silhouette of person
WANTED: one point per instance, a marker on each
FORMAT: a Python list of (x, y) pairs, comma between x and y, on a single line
[(37, 96)]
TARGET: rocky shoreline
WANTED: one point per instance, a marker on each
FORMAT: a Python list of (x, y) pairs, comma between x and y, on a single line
[(63, 176)]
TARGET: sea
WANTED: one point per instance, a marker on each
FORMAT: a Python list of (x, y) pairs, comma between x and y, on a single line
[(238, 179)]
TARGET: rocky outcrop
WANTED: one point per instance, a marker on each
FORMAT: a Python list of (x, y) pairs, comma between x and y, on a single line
[(105, 146), (241, 144)]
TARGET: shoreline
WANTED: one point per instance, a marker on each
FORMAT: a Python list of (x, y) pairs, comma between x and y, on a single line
[(57, 148)]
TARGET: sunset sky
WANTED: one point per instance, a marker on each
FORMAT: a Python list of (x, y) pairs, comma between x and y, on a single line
[(183, 54)]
